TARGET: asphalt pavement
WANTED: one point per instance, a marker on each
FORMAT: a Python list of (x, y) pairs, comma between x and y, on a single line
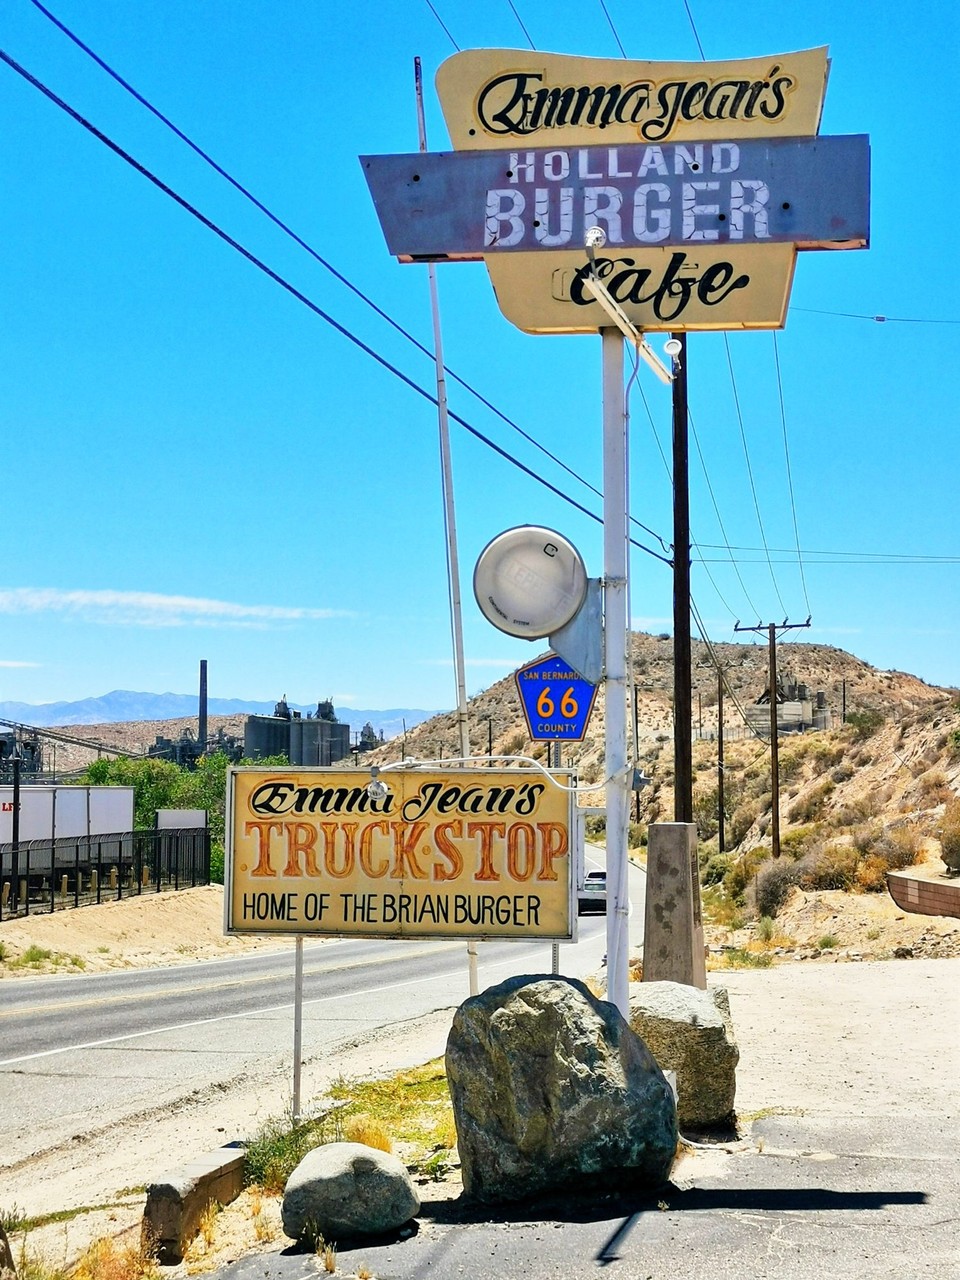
[(800, 1200)]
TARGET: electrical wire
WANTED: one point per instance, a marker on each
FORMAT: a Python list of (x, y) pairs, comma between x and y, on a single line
[(693, 27), (296, 293), (753, 486), (513, 10), (853, 315), (338, 275), (616, 34), (446, 29), (786, 455), (842, 557)]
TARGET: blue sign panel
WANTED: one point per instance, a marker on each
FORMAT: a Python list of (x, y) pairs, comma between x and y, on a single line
[(556, 701), (811, 192)]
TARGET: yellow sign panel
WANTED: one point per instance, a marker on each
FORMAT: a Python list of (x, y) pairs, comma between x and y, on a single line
[(445, 854), (709, 287), (508, 98), (514, 100)]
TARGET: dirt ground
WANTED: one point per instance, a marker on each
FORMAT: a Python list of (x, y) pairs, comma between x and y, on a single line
[(155, 930), (164, 928)]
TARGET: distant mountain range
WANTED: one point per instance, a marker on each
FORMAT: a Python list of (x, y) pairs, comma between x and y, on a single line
[(122, 706)]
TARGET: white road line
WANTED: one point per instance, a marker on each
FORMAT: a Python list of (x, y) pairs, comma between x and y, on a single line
[(226, 1017)]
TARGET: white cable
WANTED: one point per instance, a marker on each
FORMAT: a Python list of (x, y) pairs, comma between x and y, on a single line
[(576, 790)]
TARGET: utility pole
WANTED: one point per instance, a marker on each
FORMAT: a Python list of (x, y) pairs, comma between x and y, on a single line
[(771, 629), (682, 683)]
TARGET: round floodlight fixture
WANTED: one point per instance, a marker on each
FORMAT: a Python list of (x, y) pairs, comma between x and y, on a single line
[(529, 581), (672, 347)]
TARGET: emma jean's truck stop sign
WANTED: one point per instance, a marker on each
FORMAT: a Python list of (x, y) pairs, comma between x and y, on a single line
[(556, 701)]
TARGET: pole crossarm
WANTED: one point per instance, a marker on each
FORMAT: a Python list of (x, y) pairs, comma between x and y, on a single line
[(772, 628)]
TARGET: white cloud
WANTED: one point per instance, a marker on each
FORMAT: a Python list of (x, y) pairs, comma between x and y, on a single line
[(149, 609), (11, 664)]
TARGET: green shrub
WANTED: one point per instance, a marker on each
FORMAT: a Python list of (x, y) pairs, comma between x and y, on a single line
[(216, 863), (715, 868), (741, 820), (742, 872), (832, 866), (950, 836), (797, 841), (774, 882), (811, 806), (864, 723), (636, 835)]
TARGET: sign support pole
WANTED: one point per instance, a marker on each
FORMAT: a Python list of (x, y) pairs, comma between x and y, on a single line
[(449, 516), (297, 1026), (616, 638)]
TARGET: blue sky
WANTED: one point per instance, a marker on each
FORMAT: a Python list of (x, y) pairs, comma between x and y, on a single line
[(196, 466)]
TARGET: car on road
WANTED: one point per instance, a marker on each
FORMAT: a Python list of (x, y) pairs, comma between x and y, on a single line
[(592, 896)]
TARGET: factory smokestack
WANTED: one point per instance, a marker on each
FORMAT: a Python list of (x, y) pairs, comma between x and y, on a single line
[(202, 718)]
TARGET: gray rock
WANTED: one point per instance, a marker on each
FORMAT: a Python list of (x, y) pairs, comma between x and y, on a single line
[(551, 1089), (347, 1189), (7, 1267), (690, 1031)]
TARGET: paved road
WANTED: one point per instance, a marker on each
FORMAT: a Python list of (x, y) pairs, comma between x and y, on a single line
[(83, 1051)]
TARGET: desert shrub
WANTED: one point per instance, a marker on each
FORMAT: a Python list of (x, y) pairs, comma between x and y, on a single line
[(595, 825), (826, 753), (742, 872), (865, 837), (871, 874), (715, 868), (774, 882), (796, 842), (706, 813), (832, 866), (934, 788), (636, 835), (791, 763), (950, 836), (864, 723), (842, 772), (862, 809), (810, 806), (741, 820)]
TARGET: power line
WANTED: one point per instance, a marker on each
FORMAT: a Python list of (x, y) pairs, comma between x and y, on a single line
[(327, 265), (513, 10), (786, 455), (616, 34), (438, 18), (296, 293), (852, 557), (746, 454), (693, 28), (853, 315)]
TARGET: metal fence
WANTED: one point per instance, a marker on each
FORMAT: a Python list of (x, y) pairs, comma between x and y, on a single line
[(77, 871)]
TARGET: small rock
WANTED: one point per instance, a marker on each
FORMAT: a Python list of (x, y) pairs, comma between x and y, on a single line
[(902, 953), (347, 1189)]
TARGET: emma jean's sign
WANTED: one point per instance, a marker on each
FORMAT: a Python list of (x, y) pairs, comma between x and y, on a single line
[(446, 854)]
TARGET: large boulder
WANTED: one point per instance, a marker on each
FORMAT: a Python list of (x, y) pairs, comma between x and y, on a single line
[(552, 1089), (347, 1189), (7, 1268), (690, 1031)]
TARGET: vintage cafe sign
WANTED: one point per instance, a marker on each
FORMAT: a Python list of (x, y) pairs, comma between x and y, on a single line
[(809, 192), (704, 177), (446, 854)]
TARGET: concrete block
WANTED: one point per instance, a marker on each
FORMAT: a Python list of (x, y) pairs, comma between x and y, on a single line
[(673, 949), (177, 1202)]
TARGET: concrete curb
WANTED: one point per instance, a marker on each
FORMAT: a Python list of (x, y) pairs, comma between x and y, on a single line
[(175, 1205)]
